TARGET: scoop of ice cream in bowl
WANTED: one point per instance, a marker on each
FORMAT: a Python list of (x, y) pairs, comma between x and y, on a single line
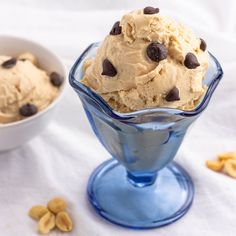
[(32, 82), (141, 89)]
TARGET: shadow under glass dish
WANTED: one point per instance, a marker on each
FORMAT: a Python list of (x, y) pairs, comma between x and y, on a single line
[(141, 187)]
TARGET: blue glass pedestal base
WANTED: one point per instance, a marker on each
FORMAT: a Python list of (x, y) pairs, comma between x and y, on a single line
[(156, 205)]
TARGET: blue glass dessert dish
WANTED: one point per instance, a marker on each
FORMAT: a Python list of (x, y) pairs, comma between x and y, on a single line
[(141, 187)]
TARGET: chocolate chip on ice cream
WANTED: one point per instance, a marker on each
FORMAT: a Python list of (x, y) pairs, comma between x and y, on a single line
[(108, 68), (116, 29), (56, 79), (156, 52), (150, 10), (191, 61), (28, 110), (203, 45), (173, 95), (9, 63)]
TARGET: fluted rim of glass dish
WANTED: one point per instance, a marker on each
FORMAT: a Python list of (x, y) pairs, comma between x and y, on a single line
[(77, 85)]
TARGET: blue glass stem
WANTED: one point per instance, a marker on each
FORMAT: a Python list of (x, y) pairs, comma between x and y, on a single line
[(142, 180)]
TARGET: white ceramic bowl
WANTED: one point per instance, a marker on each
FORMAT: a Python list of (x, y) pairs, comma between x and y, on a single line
[(15, 134)]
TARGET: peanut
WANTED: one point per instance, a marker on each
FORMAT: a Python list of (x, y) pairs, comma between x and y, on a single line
[(56, 205), (230, 168), (64, 222), (226, 156), (37, 212), (46, 223), (215, 165)]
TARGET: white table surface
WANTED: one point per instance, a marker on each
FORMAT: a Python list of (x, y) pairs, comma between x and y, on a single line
[(60, 160)]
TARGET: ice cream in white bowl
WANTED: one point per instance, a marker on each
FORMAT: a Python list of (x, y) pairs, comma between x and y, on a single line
[(29, 98)]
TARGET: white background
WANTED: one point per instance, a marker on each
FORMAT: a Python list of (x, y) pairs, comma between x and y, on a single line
[(60, 160)]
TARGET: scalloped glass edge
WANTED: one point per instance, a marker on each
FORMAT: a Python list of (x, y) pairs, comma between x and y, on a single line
[(78, 86)]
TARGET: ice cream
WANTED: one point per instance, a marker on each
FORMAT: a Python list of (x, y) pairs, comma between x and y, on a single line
[(25, 89), (148, 60)]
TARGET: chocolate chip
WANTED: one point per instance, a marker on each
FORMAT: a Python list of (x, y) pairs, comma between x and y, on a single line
[(150, 10), (203, 45), (157, 52), (9, 63), (56, 79), (28, 110), (116, 29), (173, 95), (191, 61), (108, 68)]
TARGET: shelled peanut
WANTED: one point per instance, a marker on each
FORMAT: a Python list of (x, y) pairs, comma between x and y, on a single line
[(225, 163), (52, 216)]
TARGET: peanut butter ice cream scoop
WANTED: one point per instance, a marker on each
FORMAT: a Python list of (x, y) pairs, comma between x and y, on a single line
[(148, 60), (25, 89)]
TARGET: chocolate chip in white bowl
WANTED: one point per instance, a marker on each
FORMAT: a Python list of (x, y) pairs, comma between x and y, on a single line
[(9, 63), (28, 109), (56, 79)]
